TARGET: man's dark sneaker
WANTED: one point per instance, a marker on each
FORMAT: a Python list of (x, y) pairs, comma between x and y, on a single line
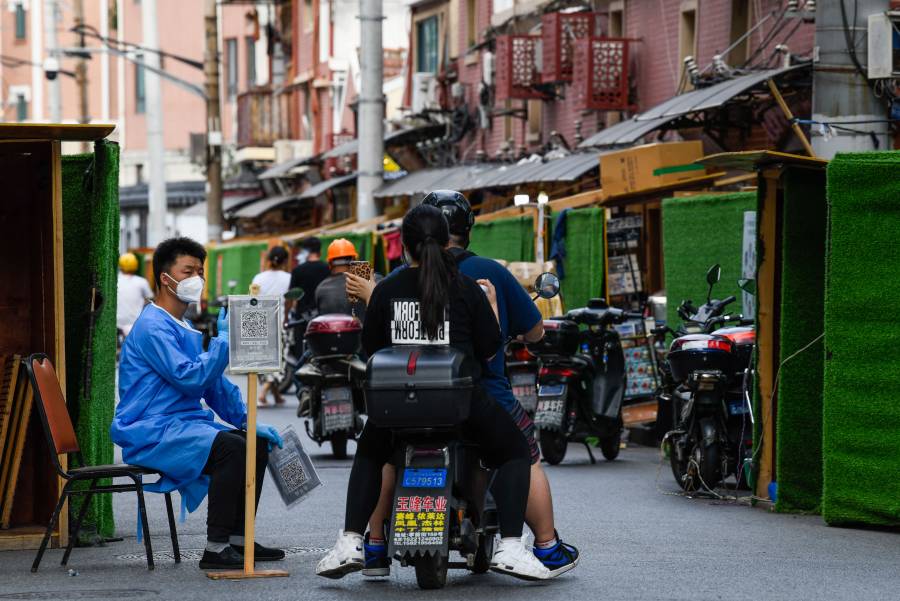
[(377, 561), (560, 558), (261, 553), (226, 559)]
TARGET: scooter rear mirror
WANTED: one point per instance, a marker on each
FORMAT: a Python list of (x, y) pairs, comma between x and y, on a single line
[(546, 285), (748, 286), (712, 277), (294, 294)]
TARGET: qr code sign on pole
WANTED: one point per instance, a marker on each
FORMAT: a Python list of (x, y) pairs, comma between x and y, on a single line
[(254, 325), (254, 340)]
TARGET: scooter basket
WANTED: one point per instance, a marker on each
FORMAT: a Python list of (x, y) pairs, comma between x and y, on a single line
[(418, 387)]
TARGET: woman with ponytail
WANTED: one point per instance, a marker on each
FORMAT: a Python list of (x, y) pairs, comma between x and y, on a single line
[(431, 302)]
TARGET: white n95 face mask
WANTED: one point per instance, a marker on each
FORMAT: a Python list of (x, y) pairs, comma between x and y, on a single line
[(188, 290)]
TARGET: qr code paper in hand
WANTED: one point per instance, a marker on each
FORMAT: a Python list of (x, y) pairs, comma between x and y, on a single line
[(254, 324), (292, 470)]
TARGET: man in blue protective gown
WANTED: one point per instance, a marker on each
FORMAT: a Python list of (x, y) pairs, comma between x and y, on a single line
[(161, 423)]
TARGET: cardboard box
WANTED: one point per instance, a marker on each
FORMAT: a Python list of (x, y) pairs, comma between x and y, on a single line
[(650, 166)]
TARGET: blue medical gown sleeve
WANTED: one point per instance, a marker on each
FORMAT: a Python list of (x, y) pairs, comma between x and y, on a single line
[(189, 376), (224, 398)]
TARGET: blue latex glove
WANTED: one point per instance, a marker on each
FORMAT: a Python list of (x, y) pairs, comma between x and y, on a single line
[(222, 324), (270, 434)]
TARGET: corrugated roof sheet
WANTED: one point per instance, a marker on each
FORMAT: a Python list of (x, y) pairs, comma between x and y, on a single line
[(491, 175), (284, 169), (629, 132), (255, 209), (398, 136), (325, 185)]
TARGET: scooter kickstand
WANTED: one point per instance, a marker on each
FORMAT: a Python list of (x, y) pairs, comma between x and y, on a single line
[(590, 453)]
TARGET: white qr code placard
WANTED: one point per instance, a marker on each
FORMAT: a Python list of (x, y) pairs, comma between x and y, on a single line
[(292, 470), (254, 338)]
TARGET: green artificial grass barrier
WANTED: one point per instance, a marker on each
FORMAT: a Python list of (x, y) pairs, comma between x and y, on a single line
[(698, 232), (799, 401), (509, 239), (90, 248), (583, 266), (861, 417), (233, 264)]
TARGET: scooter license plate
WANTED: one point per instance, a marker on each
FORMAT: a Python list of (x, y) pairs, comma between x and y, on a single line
[(337, 410), (550, 413), (424, 478), (524, 389), (551, 390), (737, 407)]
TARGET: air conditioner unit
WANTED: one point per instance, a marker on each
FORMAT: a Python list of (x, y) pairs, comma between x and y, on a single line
[(487, 68), (884, 50), (424, 93), (286, 150)]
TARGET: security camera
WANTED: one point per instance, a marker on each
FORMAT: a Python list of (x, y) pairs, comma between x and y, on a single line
[(51, 68)]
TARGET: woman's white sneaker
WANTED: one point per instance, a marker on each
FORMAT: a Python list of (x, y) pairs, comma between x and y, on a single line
[(514, 559), (347, 556)]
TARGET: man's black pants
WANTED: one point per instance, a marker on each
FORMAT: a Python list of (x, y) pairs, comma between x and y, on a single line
[(226, 469)]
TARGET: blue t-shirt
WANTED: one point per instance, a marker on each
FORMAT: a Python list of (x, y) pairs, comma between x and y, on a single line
[(517, 312)]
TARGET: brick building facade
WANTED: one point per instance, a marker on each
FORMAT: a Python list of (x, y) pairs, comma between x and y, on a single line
[(660, 33)]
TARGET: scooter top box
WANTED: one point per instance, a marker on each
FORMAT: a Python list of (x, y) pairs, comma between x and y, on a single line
[(334, 334), (419, 387)]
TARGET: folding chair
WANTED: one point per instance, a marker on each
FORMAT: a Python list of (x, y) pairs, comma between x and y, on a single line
[(60, 435)]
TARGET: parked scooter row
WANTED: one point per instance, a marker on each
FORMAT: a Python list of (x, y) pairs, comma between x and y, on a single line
[(704, 392)]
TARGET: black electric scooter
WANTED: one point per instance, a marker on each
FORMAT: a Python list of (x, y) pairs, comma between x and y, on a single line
[(705, 385), (441, 500), (581, 382)]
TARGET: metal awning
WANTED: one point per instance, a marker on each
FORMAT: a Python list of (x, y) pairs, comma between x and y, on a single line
[(400, 136), (491, 175), (631, 131), (178, 194), (325, 185), (229, 203), (287, 168), (255, 209)]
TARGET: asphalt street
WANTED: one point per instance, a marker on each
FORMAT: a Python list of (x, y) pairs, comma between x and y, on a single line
[(640, 540)]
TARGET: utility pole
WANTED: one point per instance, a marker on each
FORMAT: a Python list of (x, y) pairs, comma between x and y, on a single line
[(81, 71), (213, 125), (370, 156), (840, 91), (156, 190), (51, 45)]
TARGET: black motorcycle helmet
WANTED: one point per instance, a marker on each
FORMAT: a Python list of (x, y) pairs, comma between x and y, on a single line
[(455, 208)]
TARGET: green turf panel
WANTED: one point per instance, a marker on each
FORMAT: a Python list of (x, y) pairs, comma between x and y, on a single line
[(799, 416), (861, 416), (583, 265), (699, 231), (509, 239), (90, 247), (231, 268)]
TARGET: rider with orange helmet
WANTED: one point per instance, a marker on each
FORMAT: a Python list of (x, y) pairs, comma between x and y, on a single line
[(331, 294)]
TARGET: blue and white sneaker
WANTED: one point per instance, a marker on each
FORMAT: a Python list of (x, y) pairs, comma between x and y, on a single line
[(377, 561), (559, 559)]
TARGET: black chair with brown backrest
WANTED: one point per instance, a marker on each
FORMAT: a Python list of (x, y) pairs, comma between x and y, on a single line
[(61, 438)]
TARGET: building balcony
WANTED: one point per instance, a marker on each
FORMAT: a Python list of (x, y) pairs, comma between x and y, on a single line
[(263, 118)]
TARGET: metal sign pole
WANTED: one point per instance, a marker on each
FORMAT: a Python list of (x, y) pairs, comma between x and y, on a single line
[(249, 491)]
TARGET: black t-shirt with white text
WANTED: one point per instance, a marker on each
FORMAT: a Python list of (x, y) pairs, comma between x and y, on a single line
[(392, 317)]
